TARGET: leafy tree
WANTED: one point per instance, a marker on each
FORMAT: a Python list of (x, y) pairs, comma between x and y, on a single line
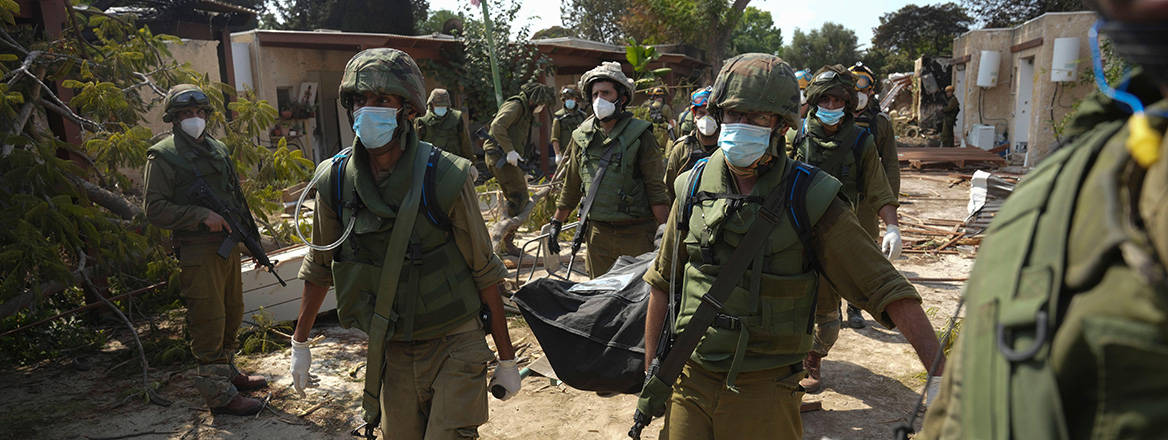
[(914, 31), (756, 33), (883, 61), (553, 32), (1006, 13), (467, 68), (68, 225), (830, 44), (640, 57), (596, 20), (436, 20), (381, 16)]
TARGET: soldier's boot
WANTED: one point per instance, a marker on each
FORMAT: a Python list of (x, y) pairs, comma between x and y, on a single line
[(855, 317), (813, 383), (240, 406), (245, 382)]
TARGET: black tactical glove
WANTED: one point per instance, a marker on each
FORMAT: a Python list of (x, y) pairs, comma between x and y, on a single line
[(554, 238)]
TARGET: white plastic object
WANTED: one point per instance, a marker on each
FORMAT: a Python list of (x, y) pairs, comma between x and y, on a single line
[(987, 68), (1065, 60)]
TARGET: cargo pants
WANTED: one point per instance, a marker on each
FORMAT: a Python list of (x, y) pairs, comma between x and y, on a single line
[(608, 241), (213, 294), (511, 180), (766, 405), (436, 389)]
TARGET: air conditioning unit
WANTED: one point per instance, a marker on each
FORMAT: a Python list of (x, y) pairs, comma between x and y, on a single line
[(982, 136)]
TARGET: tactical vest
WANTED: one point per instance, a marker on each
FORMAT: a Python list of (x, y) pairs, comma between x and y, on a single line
[(435, 292), (774, 303), (443, 132), (841, 156), (696, 152), (621, 194), (569, 121), (1029, 269), (188, 160)]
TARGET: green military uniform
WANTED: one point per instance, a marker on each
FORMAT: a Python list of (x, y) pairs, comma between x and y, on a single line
[(864, 184), (760, 359), (685, 121), (447, 132), (211, 285), (880, 129), (433, 384), (659, 115), (1076, 253), (949, 121), (511, 131), (685, 151), (621, 219), (564, 122)]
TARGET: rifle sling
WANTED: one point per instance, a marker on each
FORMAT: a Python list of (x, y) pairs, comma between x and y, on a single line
[(590, 196), (381, 323), (769, 216)]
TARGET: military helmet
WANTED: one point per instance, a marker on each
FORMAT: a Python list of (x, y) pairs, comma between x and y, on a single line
[(538, 94), (659, 91), (611, 71), (832, 80), (383, 71), (757, 82), (439, 98), (863, 75), (570, 92), (700, 97), (184, 96), (804, 78)]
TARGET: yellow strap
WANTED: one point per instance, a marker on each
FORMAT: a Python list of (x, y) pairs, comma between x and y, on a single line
[(1143, 142)]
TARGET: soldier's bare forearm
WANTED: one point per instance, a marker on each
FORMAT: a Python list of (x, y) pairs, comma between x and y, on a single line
[(310, 300), (914, 325), (490, 297), (562, 214), (654, 320), (661, 213), (888, 214)]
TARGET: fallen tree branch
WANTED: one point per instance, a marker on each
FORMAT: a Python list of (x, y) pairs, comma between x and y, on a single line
[(82, 308), (509, 225), (107, 199)]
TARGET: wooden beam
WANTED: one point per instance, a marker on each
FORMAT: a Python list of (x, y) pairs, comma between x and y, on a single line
[(1026, 45), (962, 60)]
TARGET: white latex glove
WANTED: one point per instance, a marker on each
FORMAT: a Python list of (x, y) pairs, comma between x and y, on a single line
[(513, 158), (506, 376), (892, 245), (474, 174), (301, 360), (933, 390), (559, 158)]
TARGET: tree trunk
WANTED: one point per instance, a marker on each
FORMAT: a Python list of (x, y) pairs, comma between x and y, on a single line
[(107, 199), (718, 40)]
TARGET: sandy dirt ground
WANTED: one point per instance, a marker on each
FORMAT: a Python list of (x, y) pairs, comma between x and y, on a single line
[(873, 378)]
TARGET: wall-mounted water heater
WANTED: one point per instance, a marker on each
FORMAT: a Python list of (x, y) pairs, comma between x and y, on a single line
[(987, 68), (1065, 60)]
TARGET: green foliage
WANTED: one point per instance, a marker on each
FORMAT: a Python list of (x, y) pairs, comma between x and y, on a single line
[(914, 31), (883, 61), (1007, 13), (263, 338), (468, 67), (596, 20), (640, 57), (436, 20), (756, 32), (382, 16), (830, 44), (553, 32), (50, 340)]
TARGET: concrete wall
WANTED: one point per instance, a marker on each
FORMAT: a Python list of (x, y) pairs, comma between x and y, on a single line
[(203, 57), (1049, 101)]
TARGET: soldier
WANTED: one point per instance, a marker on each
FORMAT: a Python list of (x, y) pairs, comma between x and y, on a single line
[(508, 144), (804, 79), (630, 201), (694, 145), (443, 127), (211, 285), (830, 139), (870, 117), (1066, 334), (949, 117), (566, 120), (741, 382), (427, 358), (657, 111)]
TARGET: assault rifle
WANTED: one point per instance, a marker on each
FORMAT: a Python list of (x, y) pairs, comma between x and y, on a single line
[(249, 234)]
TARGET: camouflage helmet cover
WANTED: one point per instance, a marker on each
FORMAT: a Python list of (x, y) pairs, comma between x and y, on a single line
[(611, 71), (537, 94), (757, 82), (439, 98), (570, 92), (383, 71), (171, 105), (832, 80)]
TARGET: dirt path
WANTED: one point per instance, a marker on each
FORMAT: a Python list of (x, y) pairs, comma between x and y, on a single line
[(872, 378)]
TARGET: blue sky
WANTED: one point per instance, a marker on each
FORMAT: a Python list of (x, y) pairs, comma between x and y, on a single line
[(859, 16)]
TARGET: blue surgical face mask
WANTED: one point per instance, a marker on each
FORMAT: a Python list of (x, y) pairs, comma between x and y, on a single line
[(829, 117), (375, 126), (743, 144), (440, 111), (569, 104)]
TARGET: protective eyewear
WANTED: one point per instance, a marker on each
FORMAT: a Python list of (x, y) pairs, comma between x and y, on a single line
[(754, 118), (825, 77), (191, 98)]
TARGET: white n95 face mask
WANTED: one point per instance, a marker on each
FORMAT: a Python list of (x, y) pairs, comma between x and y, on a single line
[(602, 108), (193, 126), (706, 125)]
